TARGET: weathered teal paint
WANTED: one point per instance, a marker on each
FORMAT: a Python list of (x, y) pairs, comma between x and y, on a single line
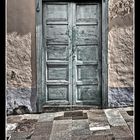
[(68, 74)]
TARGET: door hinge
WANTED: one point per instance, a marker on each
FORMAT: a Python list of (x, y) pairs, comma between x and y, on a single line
[(38, 6)]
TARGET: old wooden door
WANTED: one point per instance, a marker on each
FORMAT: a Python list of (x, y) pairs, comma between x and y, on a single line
[(72, 45)]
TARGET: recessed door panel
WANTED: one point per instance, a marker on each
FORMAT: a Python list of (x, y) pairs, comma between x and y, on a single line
[(56, 52), (57, 34), (56, 12), (87, 53), (57, 92), (57, 72), (86, 63), (86, 34), (86, 13), (86, 72)]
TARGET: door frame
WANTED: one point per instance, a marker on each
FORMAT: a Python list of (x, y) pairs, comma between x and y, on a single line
[(40, 79)]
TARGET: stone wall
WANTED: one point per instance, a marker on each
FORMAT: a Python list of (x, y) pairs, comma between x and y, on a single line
[(120, 52)]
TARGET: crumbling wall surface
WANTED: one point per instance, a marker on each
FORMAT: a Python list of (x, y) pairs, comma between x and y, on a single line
[(21, 67), (20, 55), (19, 77), (120, 53)]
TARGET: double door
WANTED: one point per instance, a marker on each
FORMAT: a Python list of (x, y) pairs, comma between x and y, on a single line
[(72, 48)]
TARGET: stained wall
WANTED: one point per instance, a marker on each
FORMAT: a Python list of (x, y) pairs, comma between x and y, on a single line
[(21, 58)]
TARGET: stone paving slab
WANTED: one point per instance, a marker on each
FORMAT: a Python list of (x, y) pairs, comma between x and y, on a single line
[(122, 132), (96, 115), (114, 117), (129, 119), (80, 132), (125, 114), (93, 137), (80, 124), (97, 125), (61, 130), (107, 124), (44, 117), (124, 138), (19, 135), (19, 118), (80, 127), (82, 137), (73, 113), (97, 120), (102, 137), (14, 118), (43, 129), (131, 127), (49, 116), (40, 138), (102, 132)]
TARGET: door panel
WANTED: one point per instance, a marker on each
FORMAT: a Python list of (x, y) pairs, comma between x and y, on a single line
[(87, 53), (86, 13), (57, 34), (57, 12), (57, 72), (73, 51), (86, 34), (56, 52), (55, 19), (86, 72), (86, 62), (88, 92), (57, 92)]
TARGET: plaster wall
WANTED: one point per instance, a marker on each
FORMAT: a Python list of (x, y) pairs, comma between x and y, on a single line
[(21, 65), (121, 53)]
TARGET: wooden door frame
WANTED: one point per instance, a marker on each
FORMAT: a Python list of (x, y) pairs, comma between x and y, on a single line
[(41, 97)]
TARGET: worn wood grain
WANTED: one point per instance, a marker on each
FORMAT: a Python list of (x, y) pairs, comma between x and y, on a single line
[(104, 53), (71, 41)]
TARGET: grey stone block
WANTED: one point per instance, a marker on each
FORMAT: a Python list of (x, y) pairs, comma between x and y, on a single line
[(80, 124), (121, 132), (19, 135), (97, 114), (114, 117), (73, 113), (125, 115), (43, 129), (82, 137), (102, 137), (40, 138), (130, 125), (97, 120), (44, 117), (80, 127), (61, 130)]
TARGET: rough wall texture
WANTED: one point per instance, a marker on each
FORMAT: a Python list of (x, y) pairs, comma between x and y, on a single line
[(19, 77), (120, 52), (21, 70), (21, 67)]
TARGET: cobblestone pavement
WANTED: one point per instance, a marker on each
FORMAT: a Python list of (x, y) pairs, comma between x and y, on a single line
[(96, 124)]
